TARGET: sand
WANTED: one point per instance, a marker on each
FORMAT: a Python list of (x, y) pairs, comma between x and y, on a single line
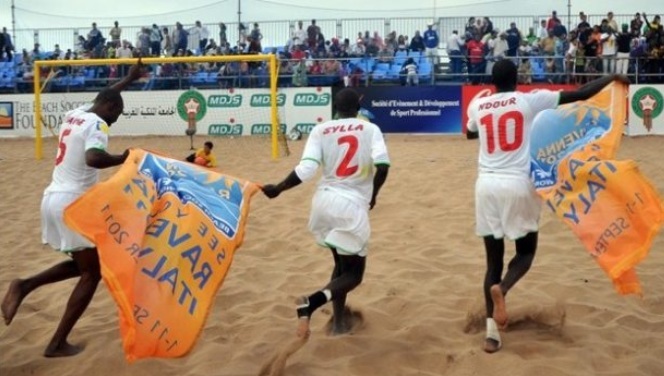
[(421, 298)]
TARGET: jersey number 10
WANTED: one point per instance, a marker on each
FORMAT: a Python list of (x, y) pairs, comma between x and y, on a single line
[(505, 145)]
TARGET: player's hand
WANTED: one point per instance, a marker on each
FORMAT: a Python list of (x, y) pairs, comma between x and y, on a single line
[(137, 70), (622, 79), (372, 203), (125, 155), (271, 190)]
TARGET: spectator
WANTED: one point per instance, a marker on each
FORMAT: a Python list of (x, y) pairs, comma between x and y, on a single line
[(256, 34), (636, 24), (608, 41), (548, 44), (298, 53), (476, 60), (300, 74), (551, 23), (155, 40), (6, 44), (454, 44), (410, 69), (35, 53), (222, 34), (542, 31), (143, 42), (431, 42), (299, 36), (166, 42), (525, 72), (559, 30), (612, 22), (115, 33), (57, 52), (513, 39), (180, 37), (623, 41), (79, 47), (201, 34), (584, 21), (417, 43), (312, 34), (95, 38)]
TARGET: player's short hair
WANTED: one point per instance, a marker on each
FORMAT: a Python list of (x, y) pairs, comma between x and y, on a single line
[(347, 101), (504, 74), (109, 96), (209, 144)]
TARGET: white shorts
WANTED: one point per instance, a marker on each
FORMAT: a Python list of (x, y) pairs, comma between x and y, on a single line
[(339, 222), (54, 231), (506, 206)]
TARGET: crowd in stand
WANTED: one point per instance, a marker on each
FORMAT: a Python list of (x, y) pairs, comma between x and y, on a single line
[(558, 56), (549, 53)]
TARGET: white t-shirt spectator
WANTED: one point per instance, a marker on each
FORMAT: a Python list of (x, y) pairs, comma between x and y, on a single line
[(609, 45)]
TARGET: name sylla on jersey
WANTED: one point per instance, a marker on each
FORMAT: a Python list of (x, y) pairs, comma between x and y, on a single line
[(343, 128)]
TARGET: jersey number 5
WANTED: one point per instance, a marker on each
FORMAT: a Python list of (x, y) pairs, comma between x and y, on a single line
[(514, 117), (62, 147), (345, 169)]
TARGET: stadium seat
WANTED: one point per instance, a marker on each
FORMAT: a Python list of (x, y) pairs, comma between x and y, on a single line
[(424, 70), (380, 72), (415, 55), (211, 78), (400, 57), (395, 71), (77, 81), (198, 77)]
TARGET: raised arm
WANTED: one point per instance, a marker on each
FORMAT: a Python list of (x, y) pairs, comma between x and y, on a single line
[(588, 90), (135, 72)]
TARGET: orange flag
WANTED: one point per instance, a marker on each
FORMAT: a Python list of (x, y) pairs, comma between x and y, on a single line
[(609, 205), (166, 232)]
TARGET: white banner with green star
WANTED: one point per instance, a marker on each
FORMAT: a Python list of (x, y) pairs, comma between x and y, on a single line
[(646, 110)]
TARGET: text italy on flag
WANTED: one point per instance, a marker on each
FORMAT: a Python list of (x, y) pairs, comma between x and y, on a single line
[(610, 206), (166, 232)]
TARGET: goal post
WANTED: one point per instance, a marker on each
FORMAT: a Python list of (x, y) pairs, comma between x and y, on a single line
[(271, 117)]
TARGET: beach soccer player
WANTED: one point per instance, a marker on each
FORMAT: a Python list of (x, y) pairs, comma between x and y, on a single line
[(355, 163), (83, 141), (506, 204)]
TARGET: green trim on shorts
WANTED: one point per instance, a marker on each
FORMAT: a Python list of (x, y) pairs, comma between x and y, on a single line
[(382, 164), (312, 159)]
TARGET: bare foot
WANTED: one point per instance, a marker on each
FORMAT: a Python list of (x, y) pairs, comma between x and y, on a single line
[(302, 330), (12, 301), (491, 345), (62, 350), (499, 311), (351, 321)]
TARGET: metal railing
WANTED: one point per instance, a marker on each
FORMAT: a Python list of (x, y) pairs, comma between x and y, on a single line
[(355, 71)]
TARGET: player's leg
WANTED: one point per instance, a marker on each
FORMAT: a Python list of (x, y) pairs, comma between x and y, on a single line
[(20, 288), (87, 262), (521, 262), (495, 313), (351, 274), (338, 302)]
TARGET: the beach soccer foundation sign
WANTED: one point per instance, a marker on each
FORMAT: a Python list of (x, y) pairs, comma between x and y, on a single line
[(646, 110), (228, 112)]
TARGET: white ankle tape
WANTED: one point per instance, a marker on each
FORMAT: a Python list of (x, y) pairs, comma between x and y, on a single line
[(492, 329)]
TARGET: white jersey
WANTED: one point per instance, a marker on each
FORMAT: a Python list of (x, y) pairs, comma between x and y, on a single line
[(504, 121), (347, 149), (80, 131)]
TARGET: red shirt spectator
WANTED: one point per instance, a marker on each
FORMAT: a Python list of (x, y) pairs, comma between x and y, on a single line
[(298, 54), (551, 23), (475, 51)]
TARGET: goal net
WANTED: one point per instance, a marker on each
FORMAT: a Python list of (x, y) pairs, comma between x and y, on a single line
[(233, 101)]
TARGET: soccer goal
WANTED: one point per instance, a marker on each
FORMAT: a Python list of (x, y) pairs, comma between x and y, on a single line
[(181, 103)]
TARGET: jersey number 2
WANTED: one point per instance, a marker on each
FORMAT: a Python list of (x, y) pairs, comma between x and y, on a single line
[(505, 145), (345, 169), (62, 147)]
